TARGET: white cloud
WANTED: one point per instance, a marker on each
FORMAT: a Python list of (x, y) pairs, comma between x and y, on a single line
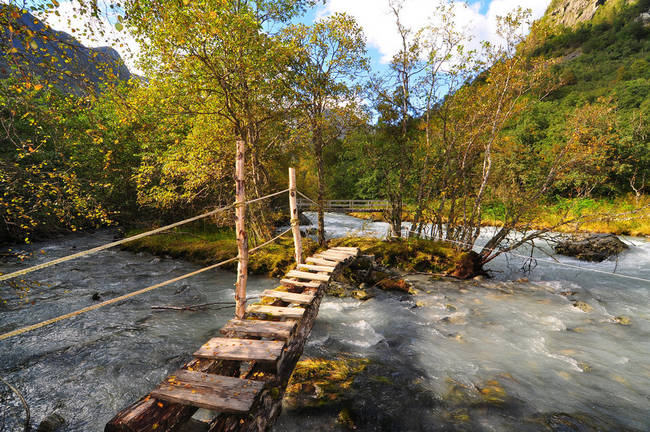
[(379, 24), (94, 32)]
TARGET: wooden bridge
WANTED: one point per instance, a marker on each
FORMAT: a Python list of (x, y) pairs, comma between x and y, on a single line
[(345, 206), (241, 377)]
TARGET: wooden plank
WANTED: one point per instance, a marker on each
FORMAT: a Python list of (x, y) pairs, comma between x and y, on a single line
[(301, 284), (258, 328), (334, 256), (346, 249), (308, 276), (320, 261), (289, 297), (276, 311), (316, 268), (339, 252), (337, 259), (213, 392), (240, 349)]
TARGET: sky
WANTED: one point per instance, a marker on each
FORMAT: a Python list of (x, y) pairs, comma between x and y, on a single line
[(477, 18)]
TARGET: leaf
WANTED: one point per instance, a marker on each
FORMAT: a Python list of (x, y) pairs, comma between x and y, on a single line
[(118, 26)]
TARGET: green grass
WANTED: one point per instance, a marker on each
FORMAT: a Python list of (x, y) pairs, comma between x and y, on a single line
[(407, 254), (211, 244)]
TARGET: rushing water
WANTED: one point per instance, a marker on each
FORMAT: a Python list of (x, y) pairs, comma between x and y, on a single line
[(491, 355)]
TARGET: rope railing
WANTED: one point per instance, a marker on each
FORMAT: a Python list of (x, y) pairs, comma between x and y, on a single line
[(132, 294), (128, 239)]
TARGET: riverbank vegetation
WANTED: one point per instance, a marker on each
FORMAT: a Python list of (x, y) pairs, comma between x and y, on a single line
[(545, 132)]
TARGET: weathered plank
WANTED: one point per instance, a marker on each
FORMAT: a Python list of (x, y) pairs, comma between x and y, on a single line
[(268, 406), (346, 249), (301, 284), (258, 328), (240, 349), (147, 415), (276, 311), (319, 261), (338, 252), (316, 268), (308, 276), (214, 392), (333, 255), (289, 297)]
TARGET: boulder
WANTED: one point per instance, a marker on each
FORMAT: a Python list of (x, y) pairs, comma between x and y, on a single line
[(593, 247), (362, 295), (304, 220), (51, 423)]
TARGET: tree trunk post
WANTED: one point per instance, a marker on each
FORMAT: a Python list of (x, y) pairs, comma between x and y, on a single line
[(295, 222), (240, 227)]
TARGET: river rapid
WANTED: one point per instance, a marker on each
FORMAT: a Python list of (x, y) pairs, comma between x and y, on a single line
[(480, 355)]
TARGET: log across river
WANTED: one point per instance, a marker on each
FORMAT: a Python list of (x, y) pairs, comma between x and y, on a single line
[(567, 350)]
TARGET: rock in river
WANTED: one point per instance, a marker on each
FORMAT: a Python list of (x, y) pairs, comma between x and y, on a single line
[(593, 247)]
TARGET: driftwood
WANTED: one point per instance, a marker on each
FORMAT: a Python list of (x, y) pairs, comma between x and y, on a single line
[(194, 308)]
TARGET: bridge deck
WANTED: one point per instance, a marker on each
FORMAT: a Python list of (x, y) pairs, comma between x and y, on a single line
[(241, 377), (346, 206)]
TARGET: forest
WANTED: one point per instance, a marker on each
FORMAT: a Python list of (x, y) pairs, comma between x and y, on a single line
[(547, 131)]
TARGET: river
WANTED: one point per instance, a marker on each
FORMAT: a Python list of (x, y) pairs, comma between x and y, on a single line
[(488, 355)]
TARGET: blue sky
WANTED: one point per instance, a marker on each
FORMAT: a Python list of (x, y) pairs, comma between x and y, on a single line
[(477, 18)]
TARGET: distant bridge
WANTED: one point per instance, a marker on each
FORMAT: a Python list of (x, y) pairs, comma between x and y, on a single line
[(346, 206)]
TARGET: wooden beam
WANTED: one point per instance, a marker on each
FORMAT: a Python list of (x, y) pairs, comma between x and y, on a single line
[(320, 261), (240, 349), (289, 297), (308, 276), (240, 228), (295, 222), (316, 268), (301, 284), (276, 311), (257, 328), (213, 392)]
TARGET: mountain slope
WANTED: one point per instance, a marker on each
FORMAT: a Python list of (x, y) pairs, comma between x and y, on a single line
[(31, 47), (605, 52)]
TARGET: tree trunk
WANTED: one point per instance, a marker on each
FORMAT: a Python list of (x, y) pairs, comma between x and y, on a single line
[(318, 151)]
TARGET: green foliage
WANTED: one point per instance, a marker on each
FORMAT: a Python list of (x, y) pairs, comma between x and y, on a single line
[(63, 166)]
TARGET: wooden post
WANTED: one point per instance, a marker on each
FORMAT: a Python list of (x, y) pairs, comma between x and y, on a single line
[(240, 227), (295, 222)]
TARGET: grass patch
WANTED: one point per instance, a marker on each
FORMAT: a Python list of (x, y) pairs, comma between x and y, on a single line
[(407, 254), (210, 244)]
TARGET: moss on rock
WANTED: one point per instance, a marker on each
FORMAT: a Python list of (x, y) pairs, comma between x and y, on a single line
[(317, 382)]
